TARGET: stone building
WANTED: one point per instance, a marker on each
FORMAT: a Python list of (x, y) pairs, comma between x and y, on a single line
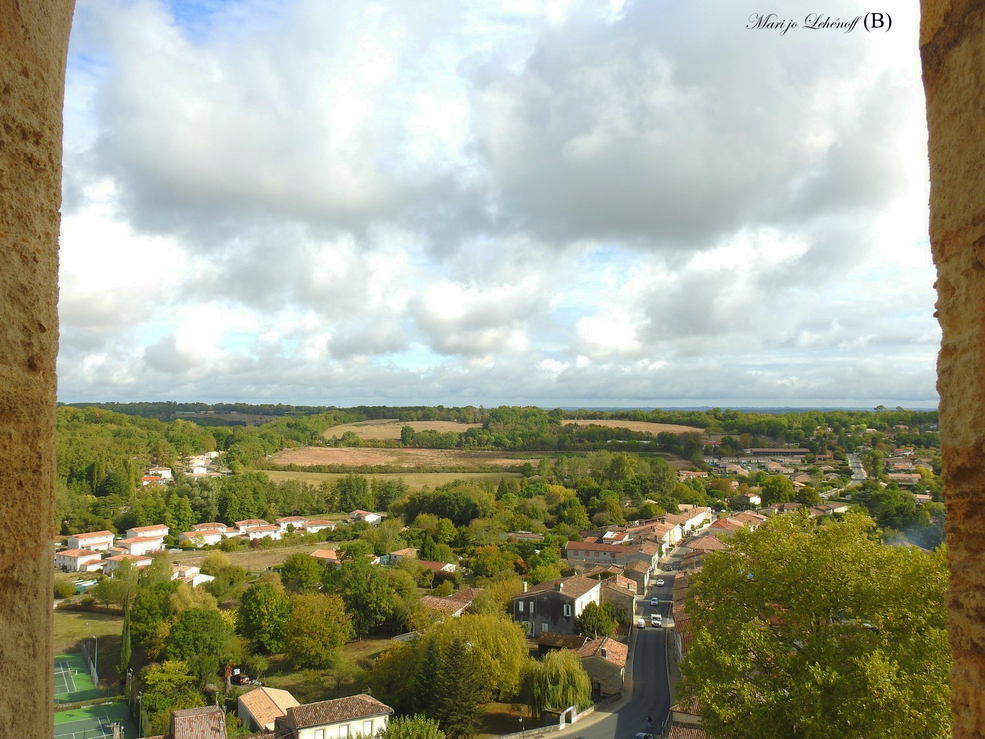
[(554, 605)]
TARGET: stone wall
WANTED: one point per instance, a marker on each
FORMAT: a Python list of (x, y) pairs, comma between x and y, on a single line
[(33, 44), (952, 47)]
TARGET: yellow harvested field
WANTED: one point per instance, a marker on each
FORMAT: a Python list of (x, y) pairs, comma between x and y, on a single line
[(389, 428), (368, 457), (414, 480), (653, 428)]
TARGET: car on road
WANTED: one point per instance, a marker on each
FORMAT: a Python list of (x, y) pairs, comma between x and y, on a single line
[(656, 620), (654, 601), (641, 623), (642, 735), (660, 582)]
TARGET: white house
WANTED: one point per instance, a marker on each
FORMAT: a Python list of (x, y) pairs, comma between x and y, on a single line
[(314, 526), (357, 715), (163, 472), (270, 531), (158, 532), (200, 537), (215, 526), (366, 516), (141, 545), (250, 523), (78, 560), (97, 541), (189, 574), (260, 708), (112, 563), (298, 522)]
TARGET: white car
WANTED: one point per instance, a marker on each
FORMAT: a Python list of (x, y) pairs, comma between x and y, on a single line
[(656, 620), (654, 601), (660, 582), (641, 623)]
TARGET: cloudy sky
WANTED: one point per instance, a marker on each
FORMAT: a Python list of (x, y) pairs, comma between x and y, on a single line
[(597, 203)]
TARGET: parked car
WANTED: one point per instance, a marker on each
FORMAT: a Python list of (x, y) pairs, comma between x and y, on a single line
[(656, 620), (641, 623)]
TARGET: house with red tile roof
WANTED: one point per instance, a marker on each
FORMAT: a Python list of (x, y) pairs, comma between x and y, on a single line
[(356, 715), (78, 560), (604, 660), (97, 541), (260, 708)]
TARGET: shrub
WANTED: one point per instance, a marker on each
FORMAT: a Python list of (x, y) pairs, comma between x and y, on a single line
[(64, 589)]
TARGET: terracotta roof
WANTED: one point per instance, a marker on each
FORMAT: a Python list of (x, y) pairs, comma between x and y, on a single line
[(465, 595), (139, 539), (198, 723), (131, 557), (335, 711), (250, 521), (267, 527), (436, 566), (149, 528), (637, 566), (211, 525), (574, 586), (79, 553), (615, 652), (442, 605), (705, 543), (612, 584), (406, 552), (266, 704), (650, 548), (201, 532), (685, 731), (329, 554), (689, 706), (94, 534)]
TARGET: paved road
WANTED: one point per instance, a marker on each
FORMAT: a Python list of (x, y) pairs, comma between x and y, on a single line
[(651, 696), (858, 471)]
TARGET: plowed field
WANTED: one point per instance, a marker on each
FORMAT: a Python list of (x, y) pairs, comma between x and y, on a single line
[(367, 457), (653, 428), (389, 428)]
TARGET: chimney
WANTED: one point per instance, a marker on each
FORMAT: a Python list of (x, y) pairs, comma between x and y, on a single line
[(603, 652), (525, 585), (560, 585)]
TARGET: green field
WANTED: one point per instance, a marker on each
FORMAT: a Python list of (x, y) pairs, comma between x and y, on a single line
[(415, 480), (72, 627)]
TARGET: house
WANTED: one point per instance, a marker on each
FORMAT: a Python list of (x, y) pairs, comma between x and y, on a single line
[(749, 500), (157, 532), (903, 478), (585, 551), (407, 553), (251, 523), (141, 545), (260, 708), (327, 555), (366, 516), (357, 715), (750, 519), (727, 524), (647, 552), (162, 472), (437, 566), (605, 662), (200, 537), (639, 573), (78, 560), (215, 526), (297, 522), (111, 564), (921, 498), (268, 531), (189, 574), (208, 722), (554, 605), (683, 721), (621, 593), (96, 541), (314, 526)]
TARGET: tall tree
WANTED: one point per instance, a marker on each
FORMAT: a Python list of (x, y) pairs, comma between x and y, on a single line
[(262, 616), (456, 693), (595, 621), (411, 727), (806, 630), (317, 628), (126, 648)]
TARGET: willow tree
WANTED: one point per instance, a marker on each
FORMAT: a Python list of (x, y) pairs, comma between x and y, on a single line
[(558, 682)]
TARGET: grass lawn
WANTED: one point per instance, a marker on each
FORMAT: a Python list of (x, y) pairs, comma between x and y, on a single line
[(503, 718), (309, 686), (71, 627)]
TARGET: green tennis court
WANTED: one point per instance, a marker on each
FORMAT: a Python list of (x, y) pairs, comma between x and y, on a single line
[(94, 722), (72, 680)]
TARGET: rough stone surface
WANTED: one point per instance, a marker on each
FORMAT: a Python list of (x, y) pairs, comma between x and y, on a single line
[(33, 45), (952, 48)]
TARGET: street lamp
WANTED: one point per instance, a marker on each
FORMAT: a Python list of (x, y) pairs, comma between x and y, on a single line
[(522, 729)]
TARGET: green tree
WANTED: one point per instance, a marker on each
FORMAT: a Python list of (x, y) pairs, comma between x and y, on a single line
[(777, 489), (807, 630), (196, 632), (558, 682), (353, 493), (411, 727), (317, 628), (262, 616), (126, 648), (167, 687), (456, 693), (367, 593), (302, 572), (872, 463), (595, 621)]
